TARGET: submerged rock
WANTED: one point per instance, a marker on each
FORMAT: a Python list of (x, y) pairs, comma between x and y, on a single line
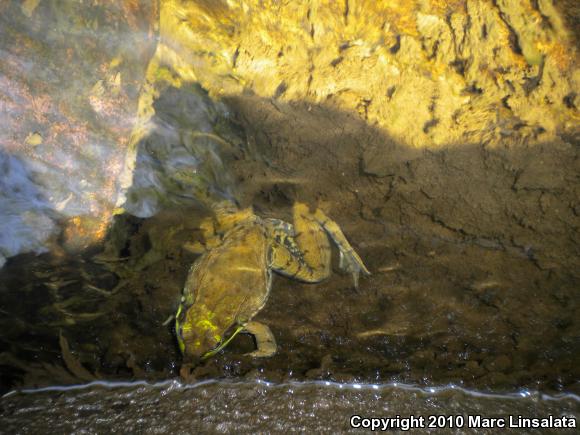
[(70, 77)]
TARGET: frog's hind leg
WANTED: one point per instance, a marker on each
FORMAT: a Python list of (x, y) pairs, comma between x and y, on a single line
[(349, 259), (301, 251), (265, 341)]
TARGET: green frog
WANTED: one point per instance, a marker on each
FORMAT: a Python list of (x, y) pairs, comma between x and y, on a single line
[(230, 283)]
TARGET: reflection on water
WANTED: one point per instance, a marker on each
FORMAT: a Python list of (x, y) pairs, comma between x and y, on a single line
[(26, 218), (70, 74), (182, 160), (244, 407)]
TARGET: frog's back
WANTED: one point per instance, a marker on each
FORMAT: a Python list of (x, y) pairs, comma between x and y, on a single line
[(232, 281)]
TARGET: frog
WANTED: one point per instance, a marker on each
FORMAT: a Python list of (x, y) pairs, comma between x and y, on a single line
[(229, 284)]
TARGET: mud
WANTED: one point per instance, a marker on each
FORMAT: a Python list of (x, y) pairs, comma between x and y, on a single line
[(473, 252)]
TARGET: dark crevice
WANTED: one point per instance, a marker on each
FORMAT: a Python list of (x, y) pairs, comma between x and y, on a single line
[(569, 100), (473, 89), (513, 36), (459, 65), (337, 61), (504, 102), (429, 125), (396, 46), (531, 83), (282, 87)]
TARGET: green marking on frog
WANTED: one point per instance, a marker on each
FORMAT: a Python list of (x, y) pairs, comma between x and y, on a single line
[(223, 344)]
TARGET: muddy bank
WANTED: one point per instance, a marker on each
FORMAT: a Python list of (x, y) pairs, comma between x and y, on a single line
[(429, 73), (473, 250)]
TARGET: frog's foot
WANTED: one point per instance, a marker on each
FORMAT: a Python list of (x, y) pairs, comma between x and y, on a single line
[(186, 372), (265, 341), (350, 262)]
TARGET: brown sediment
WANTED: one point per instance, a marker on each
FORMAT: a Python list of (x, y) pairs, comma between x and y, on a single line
[(444, 141)]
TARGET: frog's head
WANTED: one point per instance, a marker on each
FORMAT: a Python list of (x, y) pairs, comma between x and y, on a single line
[(197, 332)]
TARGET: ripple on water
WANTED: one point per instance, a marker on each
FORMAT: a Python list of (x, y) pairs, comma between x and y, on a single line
[(249, 406)]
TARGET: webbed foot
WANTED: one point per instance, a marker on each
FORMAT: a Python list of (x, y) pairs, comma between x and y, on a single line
[(186, 373), (265, 341), (350, 262)]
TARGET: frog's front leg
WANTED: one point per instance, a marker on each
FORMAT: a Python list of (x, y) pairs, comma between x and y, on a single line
[(210, 238), (265, 341)]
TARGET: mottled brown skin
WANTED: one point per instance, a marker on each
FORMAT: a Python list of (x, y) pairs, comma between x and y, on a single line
[(230, 284)]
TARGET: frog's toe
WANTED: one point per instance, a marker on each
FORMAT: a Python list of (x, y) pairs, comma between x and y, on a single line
[(194, 248), (264, 352), (350, 262), (186, 372), (265, 341)]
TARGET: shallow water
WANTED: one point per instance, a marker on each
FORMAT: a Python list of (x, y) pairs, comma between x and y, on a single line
[(467, 216), (247, 407)]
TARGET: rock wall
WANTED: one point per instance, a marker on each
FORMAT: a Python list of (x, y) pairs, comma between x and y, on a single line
[(70, 76)]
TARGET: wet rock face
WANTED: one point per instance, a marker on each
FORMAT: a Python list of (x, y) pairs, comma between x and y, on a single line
[(69, 81)]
